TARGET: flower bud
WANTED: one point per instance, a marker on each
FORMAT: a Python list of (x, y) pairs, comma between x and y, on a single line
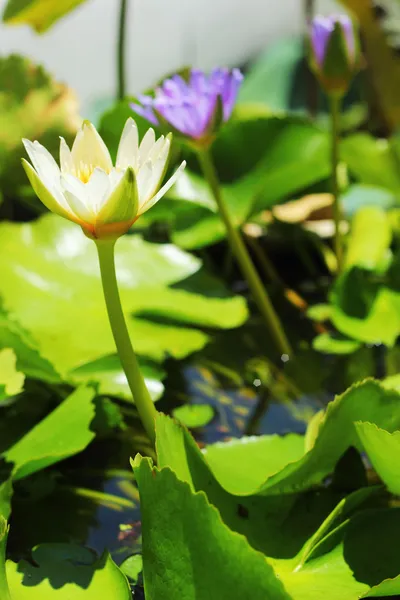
[(334, 52)]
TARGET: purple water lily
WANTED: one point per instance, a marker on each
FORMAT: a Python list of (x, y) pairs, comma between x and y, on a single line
[(321, 31), (190, 107)]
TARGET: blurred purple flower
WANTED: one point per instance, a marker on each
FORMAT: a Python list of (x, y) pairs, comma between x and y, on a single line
[(321, 31), (190, 107)]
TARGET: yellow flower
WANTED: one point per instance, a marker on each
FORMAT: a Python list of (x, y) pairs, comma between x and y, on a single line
[(87, 189)]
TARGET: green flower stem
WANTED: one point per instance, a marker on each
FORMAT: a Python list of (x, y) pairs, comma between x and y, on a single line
[(140, 393), (242, 256), (121, 49), (4, 591), (335, 105)]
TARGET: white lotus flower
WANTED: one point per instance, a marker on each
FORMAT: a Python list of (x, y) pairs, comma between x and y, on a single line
[(87, 189)]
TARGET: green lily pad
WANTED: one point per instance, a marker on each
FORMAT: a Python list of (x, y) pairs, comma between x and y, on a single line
[(63, 433), (29, 360), (64, 571), (369, 240), (190, 553), (56, 267), (372, 161), (11, 381), (108, 374), (194, 415), (244, 464), (335, 344), (383, 449), (36, 14)]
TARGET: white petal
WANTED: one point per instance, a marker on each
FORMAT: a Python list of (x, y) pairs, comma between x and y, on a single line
[(128, 146), (45, 165), (146, 145), (98, 189), (156, 149), (152, 201), (54, 202), (77, 198), (157, 175), (66, 162), (144, 181), (89, 149)]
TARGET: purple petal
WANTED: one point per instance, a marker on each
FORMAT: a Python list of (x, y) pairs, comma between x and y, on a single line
[(348, 30), (321, 30), (198, 81), (230, 92), (146, 112)]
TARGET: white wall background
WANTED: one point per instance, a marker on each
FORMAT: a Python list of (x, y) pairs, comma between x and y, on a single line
[(162, 36)]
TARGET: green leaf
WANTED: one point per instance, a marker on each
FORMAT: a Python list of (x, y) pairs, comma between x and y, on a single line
[(370, 239), (372, 161), (388, 588), (335, 344), (383, 449), (132, 567), (111, 379), (270, 79), (364, 309), (56, 266), (65, 571), (244, 464), (11, 381), (63, 433), (194, 415), (34, 106), (36, 13), (4, 591), (29, 360), (254, 175), (367, 401), (190, 553)]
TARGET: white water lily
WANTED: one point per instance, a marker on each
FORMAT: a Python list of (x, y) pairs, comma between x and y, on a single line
[(86, 188)]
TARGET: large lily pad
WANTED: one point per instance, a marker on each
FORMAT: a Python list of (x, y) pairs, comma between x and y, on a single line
[(40, 15), (190, 553), (11, 381), (64, 571), (63, 433), (51, 285)]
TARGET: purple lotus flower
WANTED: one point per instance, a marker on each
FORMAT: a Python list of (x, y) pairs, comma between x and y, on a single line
[(321, 31), (192, 107)]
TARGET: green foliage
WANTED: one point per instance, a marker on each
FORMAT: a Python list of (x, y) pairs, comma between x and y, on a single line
[(46, 443), (33, 106), (36, 13), (11, 381), (56, 266)]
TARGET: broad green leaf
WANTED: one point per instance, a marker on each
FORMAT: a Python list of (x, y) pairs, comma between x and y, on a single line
[(386, 589), (244, 464), (335, 344), (132, 567), (270, 79), (367, 401), (364, 309), (38, 14), (29, 360), (11, 381), (372, 161), (55, 265), (259, 165), (369, 240), (63, 433), (383, 450), (34, 106), (194, 415), (278, 524), (6, 492), (65, 571), (190, 553), (4, 591), (360, 553), (111, 379)]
